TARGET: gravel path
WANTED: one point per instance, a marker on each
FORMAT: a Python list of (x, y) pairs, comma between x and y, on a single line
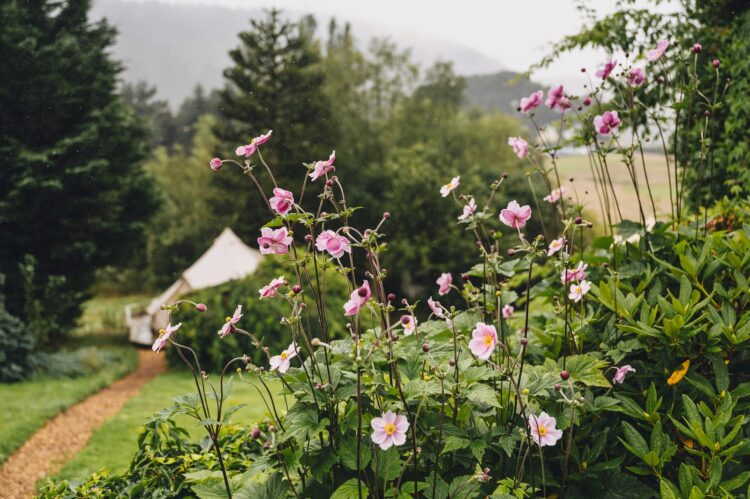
[(45, 452)]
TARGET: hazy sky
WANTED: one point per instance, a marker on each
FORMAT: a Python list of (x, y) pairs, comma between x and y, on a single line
[(514, 32)]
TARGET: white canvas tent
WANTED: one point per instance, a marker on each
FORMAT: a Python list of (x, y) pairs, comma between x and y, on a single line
[(228, 258)]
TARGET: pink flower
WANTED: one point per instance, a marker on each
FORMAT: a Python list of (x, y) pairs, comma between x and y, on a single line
[(532, 101), (333, 243), (619, 376), (556, 99), (230, 324), (281, 361), (282, 201), (607, 122), (520, 146), (555, 246), (409, 322), (323, 167), (390, 429), (450, 186), (655, 54), (164, 335), (576, 274), (269, 291), (579, 290), (469, 210), (250, 149), (484, 340), (274, 241), (216, 164), (636, 77), (444, 281), (543, 430), (515, 215), (607, 69), (555, 195), (508, 311), (357, 299), (436, 308)]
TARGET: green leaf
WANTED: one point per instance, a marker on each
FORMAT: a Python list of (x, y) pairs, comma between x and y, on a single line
[(668, 490), (350, 490), (586, 369), (455, 443), (348, 454), (483, 394), (637, 444)]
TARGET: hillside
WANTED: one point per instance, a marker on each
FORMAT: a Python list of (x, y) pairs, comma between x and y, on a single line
[(502, 92)]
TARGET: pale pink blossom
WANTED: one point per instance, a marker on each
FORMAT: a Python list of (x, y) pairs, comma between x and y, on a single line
[(619, 376), (436, 308), (269, 291), (216, 164), (607, 69), (281, 361), (576, 274), (469, 210), (357, 299), (483, 340), (231, 322), (249, 149), (636, 77), (444, 282), (323, 167), (515, 215), (409, 323), (532, 101), (520, 146), (450, 186), (543, 431), (333, 243), (274, 241), (164, 335), (579, 290), (655, 54), (282, 201), (556, 99), (508, 311), (555, 246), (555, 195), (389, 429), (607, 122)]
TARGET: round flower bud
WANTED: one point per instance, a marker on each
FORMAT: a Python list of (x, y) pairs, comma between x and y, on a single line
[(425, 348), (391, 297), (564, 375), (405, 319), (505, 174), (272, 428), (697, 48), (587, 101), (578, 220), (362, 292), (267, 445), (465, 277), (308, 238), (451, 362), (255, 433), (216, 164), (558, 387), (318, 386), (387, 215), (329, 182), (315, 342), (297, 289), (524, 341), (716, 63), (201, 307)]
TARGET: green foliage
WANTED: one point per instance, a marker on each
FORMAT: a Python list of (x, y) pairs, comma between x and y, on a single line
[(15, 345)]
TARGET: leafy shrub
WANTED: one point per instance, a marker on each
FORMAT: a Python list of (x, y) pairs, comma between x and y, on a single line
[(72, 364), (15, 345)]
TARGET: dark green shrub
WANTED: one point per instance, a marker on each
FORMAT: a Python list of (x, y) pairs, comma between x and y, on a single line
[(15, 345)]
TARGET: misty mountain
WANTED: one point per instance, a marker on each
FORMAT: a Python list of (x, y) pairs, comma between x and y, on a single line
[(502, 92)]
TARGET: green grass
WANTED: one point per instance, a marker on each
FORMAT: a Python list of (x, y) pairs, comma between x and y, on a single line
[(28, 404), (113, 445)]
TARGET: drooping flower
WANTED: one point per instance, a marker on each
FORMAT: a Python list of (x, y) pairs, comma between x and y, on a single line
[(323, 167), (444, 281), (450, 186), (607, 69), (164, 335), (231, 322), (636, 77), (556, 99), (409, 322), (515, 215), (483, 340), (269, 291), (281, 361), (250, 148), (469, 209), (436, 308), (274, 241), (542, 429), (579, 290), (607, 122), (389, 429), (532, 101), (619, 376), (576, 274), (655, 54), (357, 299), (333, 243), (216, 164), (508, 311), (679, 373), (555, 195), (520, 146), (282, 201), (555, 246)]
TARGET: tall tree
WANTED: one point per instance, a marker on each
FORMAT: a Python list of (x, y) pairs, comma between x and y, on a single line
[(73, 194)]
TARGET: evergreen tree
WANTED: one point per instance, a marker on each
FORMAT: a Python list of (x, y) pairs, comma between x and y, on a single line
[(73, 194)]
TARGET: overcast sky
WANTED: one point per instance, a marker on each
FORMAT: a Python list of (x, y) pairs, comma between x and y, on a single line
[(516, 33)]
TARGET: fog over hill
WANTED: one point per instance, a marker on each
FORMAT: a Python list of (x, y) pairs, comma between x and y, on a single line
[(176, 47)]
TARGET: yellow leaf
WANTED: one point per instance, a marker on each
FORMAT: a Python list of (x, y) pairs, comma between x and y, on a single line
[(679, 373)]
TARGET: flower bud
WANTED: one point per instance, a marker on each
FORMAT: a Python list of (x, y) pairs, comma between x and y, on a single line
[(315, 342), (524, 341), (362, 292), (465, 277), (697, 48), (564, 375), (587, 101), (272, 428), (308, 238), (201, 307), (255, 433), (329, 182), (387, 215), (558, 387), (578, 220), (451, 362), (216, 164), (297, 289), (404, 319), (505, 174), (391, 297), (716, 63), (425, 348), (318, 386)]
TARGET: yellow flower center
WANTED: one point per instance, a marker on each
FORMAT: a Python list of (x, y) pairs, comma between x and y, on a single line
[(488, 340), (389, 429), (227, 319), (161, 332), (284, 355), (541, 429)]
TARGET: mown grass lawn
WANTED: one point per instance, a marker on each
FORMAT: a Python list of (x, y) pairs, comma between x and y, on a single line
[(28, 404), (113, 445)]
